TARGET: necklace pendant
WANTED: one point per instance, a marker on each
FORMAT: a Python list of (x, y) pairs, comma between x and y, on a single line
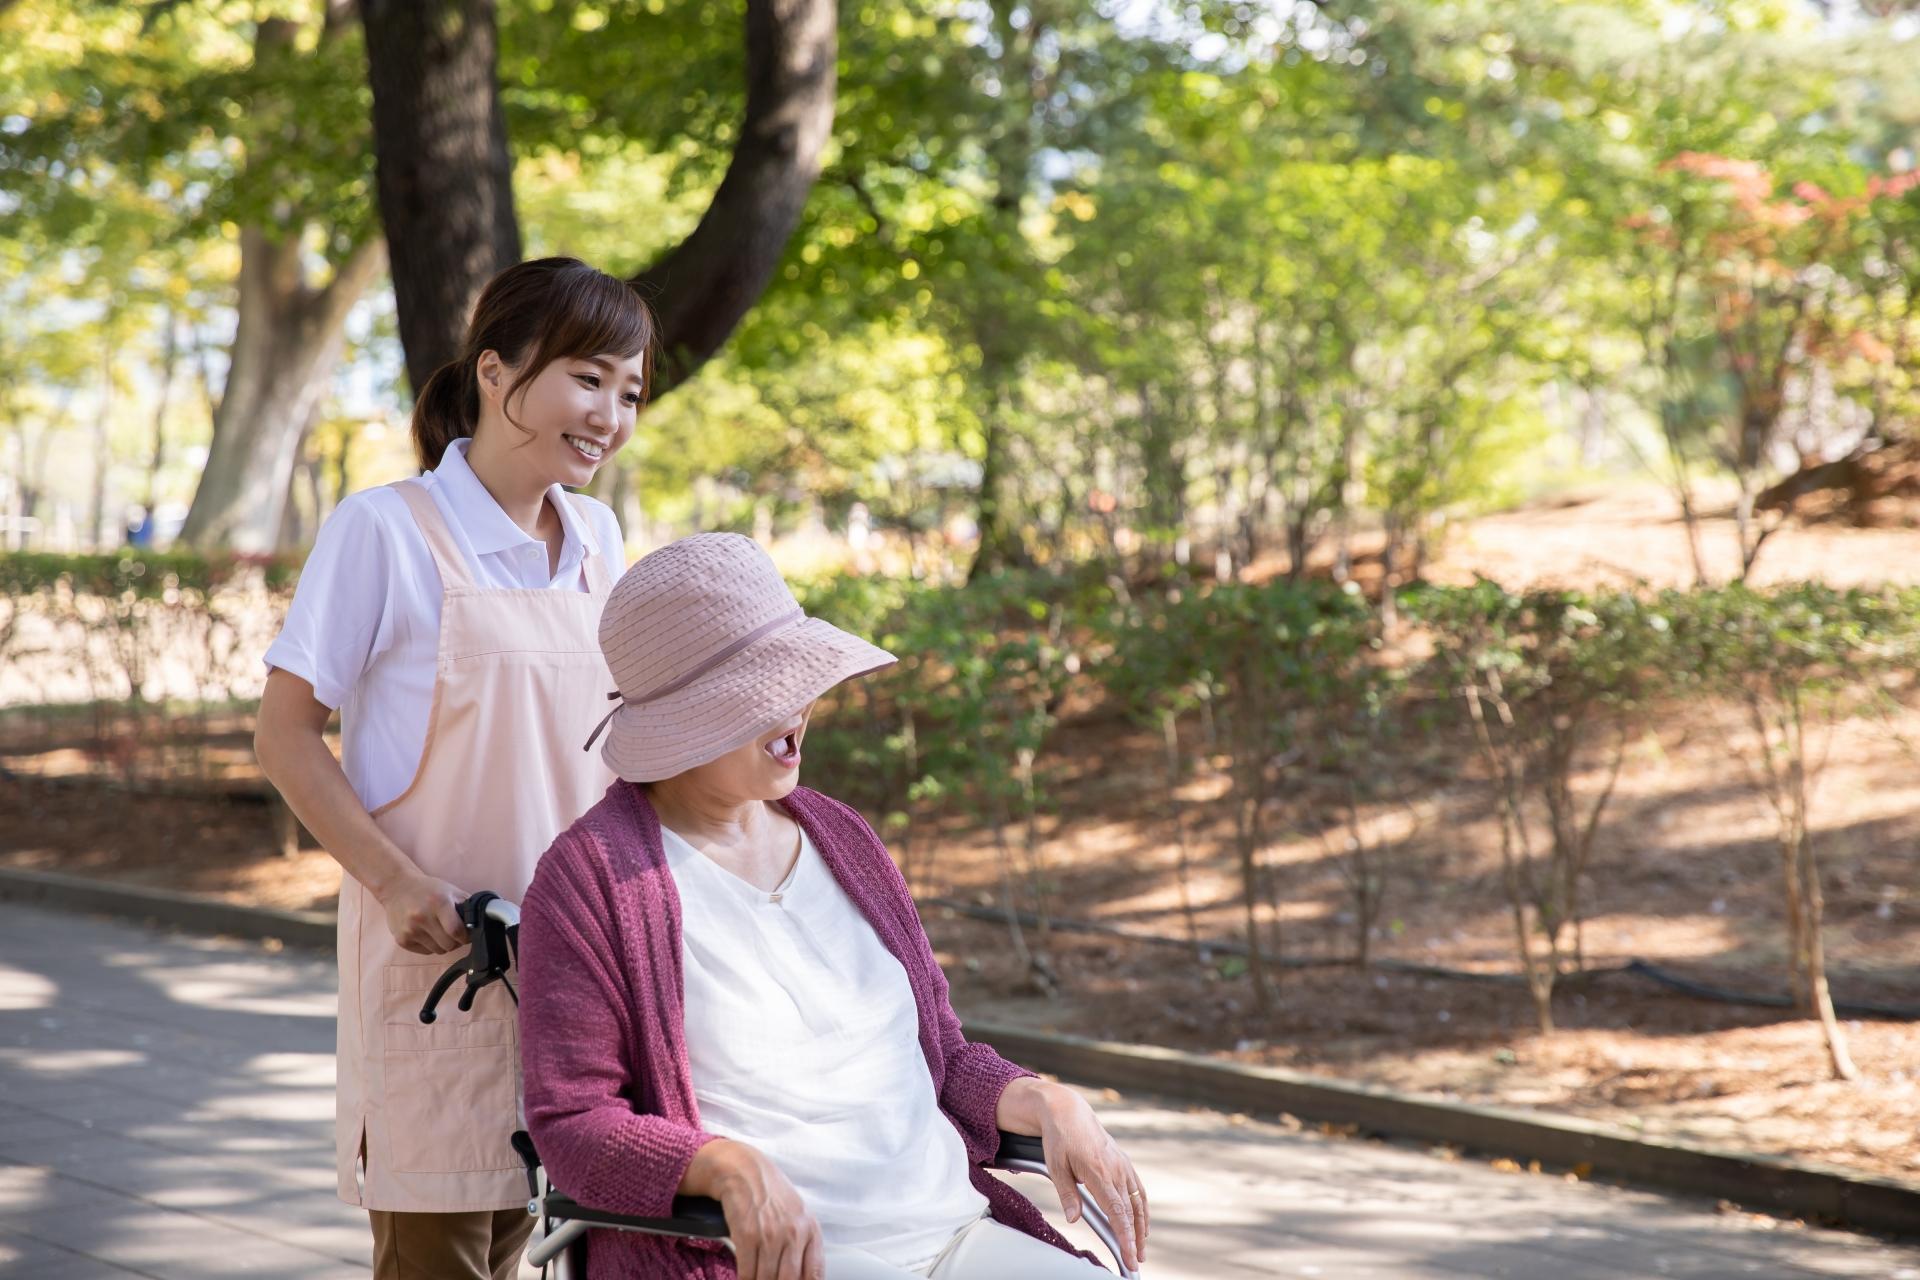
[(773, 897)]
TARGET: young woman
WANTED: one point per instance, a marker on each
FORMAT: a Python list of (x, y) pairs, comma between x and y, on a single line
[(452, 622), (727, 991)]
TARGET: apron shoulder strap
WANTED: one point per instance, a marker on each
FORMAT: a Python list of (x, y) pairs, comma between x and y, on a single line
[(453, 567), (599, 576)]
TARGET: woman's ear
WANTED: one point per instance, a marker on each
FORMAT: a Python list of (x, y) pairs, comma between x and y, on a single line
[(490, 374)]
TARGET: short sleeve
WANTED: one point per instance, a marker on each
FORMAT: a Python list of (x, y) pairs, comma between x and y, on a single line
[(341, 617)]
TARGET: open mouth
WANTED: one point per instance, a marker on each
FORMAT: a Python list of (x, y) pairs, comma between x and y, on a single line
[(785, 749), (592, 450)]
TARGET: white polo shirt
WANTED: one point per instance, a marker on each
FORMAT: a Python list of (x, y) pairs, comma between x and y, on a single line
[(364, 626)]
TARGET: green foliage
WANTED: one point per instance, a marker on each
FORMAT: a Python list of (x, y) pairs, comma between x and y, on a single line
[(210, 113), (129, 576), (966, 713), (1267, 657), (983, 670), (1802, 639), (1562, 651), (1223, 276)]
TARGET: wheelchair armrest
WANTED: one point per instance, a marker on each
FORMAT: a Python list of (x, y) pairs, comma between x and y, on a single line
[(698, 1216), (1017, 1146), (1019, 1153), (694, 1217)]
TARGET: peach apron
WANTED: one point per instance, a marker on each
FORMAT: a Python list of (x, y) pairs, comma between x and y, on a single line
[(520, 681)]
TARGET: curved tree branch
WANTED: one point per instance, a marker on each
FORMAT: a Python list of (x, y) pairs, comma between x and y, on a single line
[(703, 287), (445, 174)]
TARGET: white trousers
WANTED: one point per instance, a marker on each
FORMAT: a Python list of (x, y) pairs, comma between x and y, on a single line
[(983, 1250)]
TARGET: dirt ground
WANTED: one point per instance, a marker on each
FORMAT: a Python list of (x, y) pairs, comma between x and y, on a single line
[(1684, 875)]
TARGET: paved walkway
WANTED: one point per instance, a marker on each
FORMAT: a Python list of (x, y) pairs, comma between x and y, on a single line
[(166, 1111)]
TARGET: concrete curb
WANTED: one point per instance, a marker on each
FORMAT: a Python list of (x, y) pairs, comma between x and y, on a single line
[(185, 911), (1882, 1206), (1768, 1184)]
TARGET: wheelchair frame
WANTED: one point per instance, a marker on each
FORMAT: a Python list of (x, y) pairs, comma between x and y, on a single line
[(493, 925)]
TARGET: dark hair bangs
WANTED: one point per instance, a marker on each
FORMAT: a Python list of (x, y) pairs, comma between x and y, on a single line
[(590, 313)]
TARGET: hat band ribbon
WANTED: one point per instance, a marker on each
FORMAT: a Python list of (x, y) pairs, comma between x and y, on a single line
[(681, 682)]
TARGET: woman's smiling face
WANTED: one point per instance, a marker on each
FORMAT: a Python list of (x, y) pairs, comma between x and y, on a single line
[(572, 416)]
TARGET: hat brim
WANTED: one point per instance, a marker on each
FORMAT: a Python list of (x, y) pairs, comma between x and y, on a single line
[(749, 694)]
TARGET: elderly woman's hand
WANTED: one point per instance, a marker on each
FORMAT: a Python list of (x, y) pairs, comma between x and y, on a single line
[(773, 1235), (1080, 1152)]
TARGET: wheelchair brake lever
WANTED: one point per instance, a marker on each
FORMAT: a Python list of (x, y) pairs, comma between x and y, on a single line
[(477, 979), (493, 931), (440, 986)]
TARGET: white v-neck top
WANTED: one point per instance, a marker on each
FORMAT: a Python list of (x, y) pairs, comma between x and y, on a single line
[(803, 1041), (364, 626)]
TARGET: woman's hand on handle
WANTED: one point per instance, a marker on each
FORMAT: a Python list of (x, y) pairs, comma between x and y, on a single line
[(1080, 1153), (289, 740), (423, 915), (773, 1235)]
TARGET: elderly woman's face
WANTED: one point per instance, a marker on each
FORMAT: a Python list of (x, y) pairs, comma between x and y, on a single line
[(765, 769)]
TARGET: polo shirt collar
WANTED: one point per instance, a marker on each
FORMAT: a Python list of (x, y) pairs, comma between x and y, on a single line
[(487, 526)]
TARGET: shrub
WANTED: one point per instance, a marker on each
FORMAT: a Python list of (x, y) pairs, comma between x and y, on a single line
[(1545, 677), (1795, 660)]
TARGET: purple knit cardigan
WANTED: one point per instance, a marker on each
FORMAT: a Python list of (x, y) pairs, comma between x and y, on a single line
[(609, 1102)]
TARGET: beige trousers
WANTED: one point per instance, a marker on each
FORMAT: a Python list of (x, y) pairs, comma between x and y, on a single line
[(449, 1246), (984, 1250)]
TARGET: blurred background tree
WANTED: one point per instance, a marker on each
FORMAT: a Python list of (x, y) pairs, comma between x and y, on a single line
[(1135, 283)]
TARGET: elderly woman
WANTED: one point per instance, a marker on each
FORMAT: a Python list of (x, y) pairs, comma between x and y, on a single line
[(726, 990)]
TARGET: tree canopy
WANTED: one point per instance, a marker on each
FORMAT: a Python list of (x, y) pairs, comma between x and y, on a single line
[(1073, 280)]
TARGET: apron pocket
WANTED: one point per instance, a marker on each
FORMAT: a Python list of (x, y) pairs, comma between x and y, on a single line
[(452, 1086)]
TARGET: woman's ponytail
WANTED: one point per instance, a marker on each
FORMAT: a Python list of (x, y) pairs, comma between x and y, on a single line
[(447, 409)]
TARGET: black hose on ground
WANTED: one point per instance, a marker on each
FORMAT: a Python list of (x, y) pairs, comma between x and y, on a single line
[(1233, 947)]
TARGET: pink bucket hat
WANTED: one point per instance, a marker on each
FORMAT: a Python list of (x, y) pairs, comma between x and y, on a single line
[(710, 650)]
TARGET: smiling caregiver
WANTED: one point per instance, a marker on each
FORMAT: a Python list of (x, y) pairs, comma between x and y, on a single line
[(452, 621)]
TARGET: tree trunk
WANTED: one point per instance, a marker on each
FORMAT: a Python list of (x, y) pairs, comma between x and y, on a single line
[(444, 167), (287, 339), (1001, 546), (30, 481), (157, 458), (1814, 961), (442, 145), (16, 535), (1009, 150), (1162, 473), (1034, 861), (1170, 739), (1516, 846), (1807, 903), (102, 457), (1246, 733), (1016, 933)]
